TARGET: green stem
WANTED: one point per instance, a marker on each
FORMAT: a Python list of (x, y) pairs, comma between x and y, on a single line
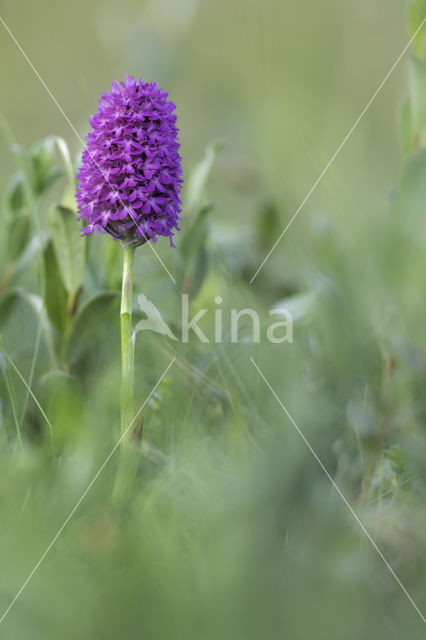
[(127, 353), (128, 461)]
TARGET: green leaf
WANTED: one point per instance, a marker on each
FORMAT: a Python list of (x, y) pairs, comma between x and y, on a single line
[(25, 176), (59, 396), (7, 304), (22, 255), (34, 247), (413, 183), (417, 83), (268, 225), (17, 230), (69, 247), (416, 15), (17, 294), (55, 295), (62, 147), (18, 233), (68, 198), (193, 264), (90, 318), (42, 156), (15, 194), (398, 459), (198, 178), (407, 209)]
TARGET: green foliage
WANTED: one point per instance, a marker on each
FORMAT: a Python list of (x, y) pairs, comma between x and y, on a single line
[(55, 294), (42, 160), (220, 464), (233, 530), (193, 253), (417, 83), (269, 225), (412, 112), (408, 200), (199, 176), (193, 247), (7, 302), (69, 248), (18, 220), (89, 321), (416, 15)]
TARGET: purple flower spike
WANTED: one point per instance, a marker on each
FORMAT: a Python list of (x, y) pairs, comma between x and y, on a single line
[(130, 178)]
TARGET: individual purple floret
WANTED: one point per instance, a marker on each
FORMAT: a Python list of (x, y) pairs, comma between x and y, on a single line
[(130, 178)]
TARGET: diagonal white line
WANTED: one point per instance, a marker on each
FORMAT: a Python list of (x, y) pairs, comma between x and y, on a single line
[(84, 145), (340, 147), (84, 494), (365, 531)]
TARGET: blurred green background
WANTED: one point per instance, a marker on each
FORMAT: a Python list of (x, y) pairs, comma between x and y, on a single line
[(281, 81), (232, 529)]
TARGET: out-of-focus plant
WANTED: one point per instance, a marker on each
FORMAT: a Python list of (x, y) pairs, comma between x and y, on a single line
[(26, 242), (193, 248), (412, 113)]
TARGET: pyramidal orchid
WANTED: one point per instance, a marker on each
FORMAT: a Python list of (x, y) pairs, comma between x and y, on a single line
[(129, 186), (130, 178)]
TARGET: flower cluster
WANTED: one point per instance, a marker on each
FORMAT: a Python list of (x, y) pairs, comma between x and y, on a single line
[(130, 178)]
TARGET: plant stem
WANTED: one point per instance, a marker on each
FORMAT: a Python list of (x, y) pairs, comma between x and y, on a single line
[(127, 351), (128, 461)]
